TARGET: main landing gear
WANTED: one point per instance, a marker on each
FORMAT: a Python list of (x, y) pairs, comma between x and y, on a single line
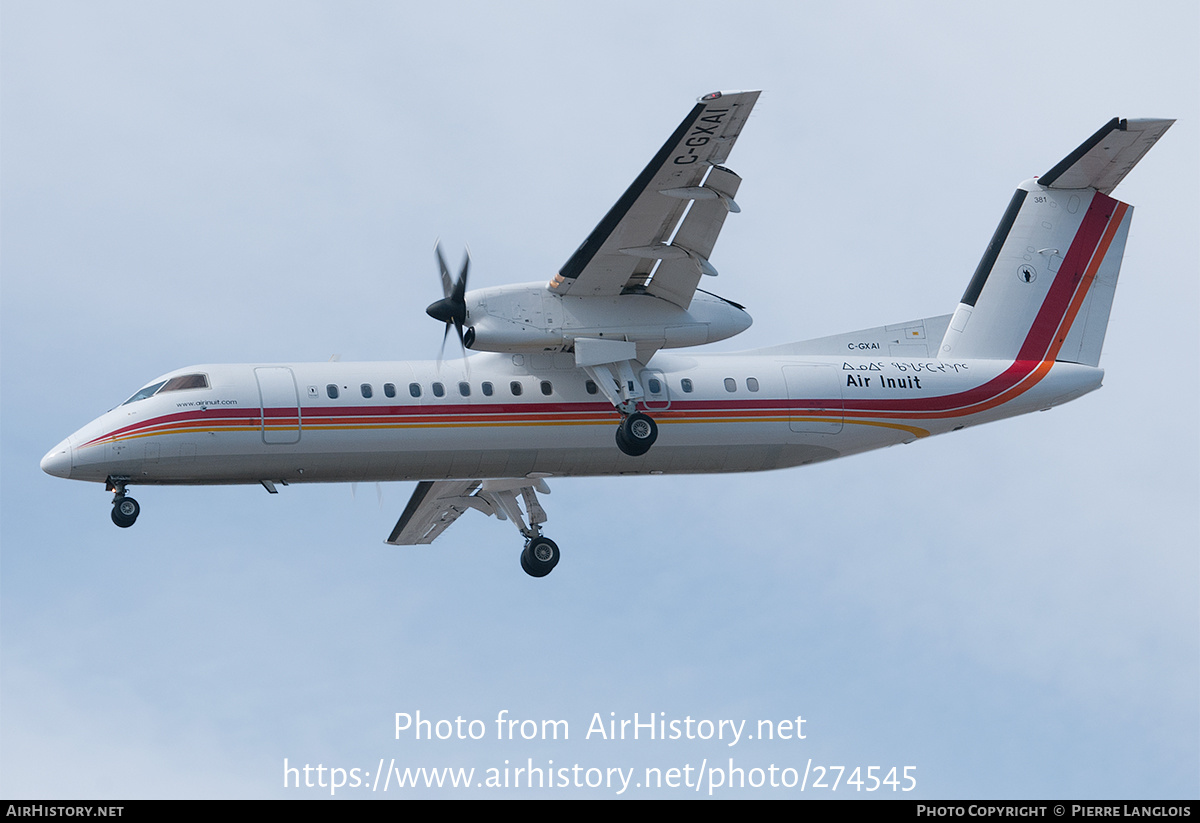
[(540, 556), (610, 364), (435, 505), (636, 434), (125, 510), (499, 499)]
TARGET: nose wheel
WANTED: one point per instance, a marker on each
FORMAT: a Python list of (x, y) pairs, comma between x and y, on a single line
[(636, 434), (125, 511)]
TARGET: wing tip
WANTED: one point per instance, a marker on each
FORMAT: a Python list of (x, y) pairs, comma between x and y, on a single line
[(717, 95)]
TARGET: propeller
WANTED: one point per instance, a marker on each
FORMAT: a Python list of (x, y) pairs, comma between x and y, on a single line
[(452, 308)]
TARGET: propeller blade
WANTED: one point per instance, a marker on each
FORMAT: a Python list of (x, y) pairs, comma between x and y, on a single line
[(447, 284), (462, 346), (460, 287), (442, 351)]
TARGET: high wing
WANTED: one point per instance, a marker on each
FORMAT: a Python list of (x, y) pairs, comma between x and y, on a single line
[(434, 506), (621, 252)]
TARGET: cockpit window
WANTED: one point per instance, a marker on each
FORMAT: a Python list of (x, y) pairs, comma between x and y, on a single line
[(186, 381), (183, 381), (146, 392)]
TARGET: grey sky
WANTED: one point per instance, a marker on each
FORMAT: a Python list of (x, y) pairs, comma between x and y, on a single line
[(1012, 610)]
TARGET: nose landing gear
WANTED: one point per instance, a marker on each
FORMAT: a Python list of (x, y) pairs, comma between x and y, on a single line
[(125, 510)]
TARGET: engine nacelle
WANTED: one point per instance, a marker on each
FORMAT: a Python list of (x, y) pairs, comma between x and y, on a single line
[(527, 317)]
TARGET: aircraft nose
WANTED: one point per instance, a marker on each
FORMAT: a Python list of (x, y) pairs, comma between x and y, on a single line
[(57, 461)]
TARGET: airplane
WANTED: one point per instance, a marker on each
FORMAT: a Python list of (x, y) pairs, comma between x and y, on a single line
[(557, 364)]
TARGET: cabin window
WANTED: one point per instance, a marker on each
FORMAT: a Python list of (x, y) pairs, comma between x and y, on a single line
[(389, 389), (547, 389), (752, 383), (654, 385), (487, 389), (414, 389), (332, 391), (730, 384), (516, 388), (591, 387), (367, 391), (464, 388), (686, 384), (439, 390)]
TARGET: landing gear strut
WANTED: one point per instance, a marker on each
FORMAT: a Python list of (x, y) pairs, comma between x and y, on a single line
[(637, 431), (636, 434), (125, 510)]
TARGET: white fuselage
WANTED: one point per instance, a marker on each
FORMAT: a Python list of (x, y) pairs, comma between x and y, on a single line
[(716, 412)]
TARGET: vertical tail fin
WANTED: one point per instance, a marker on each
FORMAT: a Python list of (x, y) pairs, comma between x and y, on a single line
[(1044, 288)]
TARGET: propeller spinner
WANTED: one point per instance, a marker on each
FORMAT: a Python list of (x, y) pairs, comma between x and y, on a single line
[(452, 308)]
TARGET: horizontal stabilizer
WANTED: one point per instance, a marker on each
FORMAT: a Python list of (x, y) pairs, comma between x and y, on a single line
[(1107, 156), (915, 338)]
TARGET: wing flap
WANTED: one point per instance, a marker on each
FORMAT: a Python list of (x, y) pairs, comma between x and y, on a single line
[(676, 279)]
